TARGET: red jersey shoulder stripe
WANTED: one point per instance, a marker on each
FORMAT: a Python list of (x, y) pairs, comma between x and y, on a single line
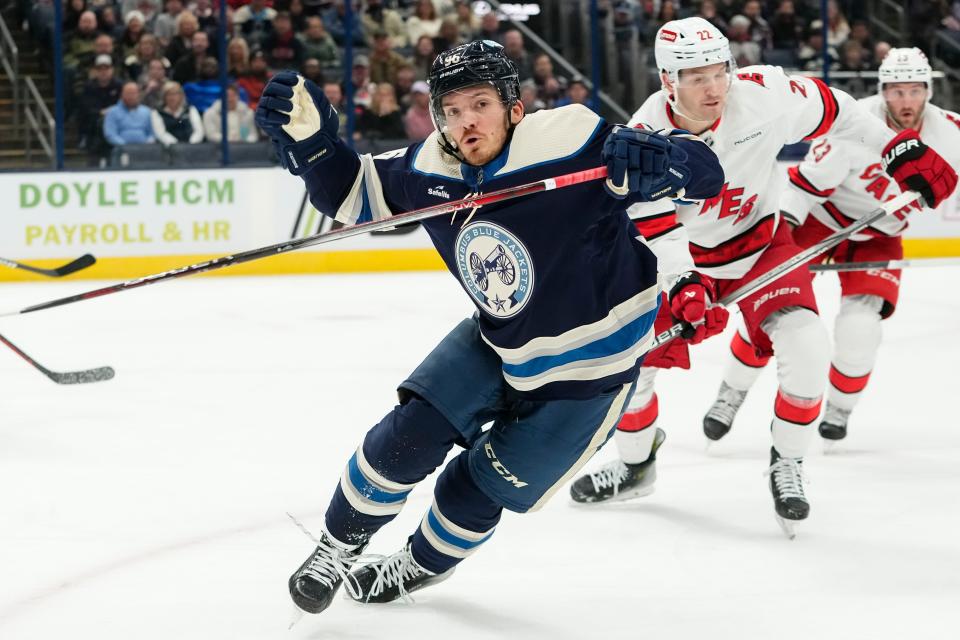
[(831, 109), (799, 180)]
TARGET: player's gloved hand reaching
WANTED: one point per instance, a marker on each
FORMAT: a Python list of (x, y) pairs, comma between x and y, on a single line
[(690, 301), (303, 124), (917, 167), (644, 163)]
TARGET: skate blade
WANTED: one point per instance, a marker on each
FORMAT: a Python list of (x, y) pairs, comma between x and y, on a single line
[(295, 616), (789, 527), (620, 497), (832, 447)]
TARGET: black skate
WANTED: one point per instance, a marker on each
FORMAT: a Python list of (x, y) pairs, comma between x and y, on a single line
[(393, 577), (318, 579), (834, 425), (618, 480), (720, 415), (786, 485)]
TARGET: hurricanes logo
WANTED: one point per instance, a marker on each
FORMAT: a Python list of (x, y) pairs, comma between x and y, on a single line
[(495, 268)]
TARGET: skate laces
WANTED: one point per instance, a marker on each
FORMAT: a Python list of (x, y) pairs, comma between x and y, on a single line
[(727, 404), (787, 474), (394, 570), (329, 561), (611, 474)]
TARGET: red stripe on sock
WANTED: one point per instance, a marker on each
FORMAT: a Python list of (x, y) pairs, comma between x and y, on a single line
[(640, 419), (847, 384), (796, 410), (743, 351)]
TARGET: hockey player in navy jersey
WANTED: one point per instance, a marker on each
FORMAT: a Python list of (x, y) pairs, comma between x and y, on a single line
[(566, 296)]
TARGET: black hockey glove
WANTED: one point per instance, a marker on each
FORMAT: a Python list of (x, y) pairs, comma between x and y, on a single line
[(645, 164), (299, 119)]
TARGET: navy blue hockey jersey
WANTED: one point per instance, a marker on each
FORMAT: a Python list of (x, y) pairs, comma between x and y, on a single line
[(567, 292)]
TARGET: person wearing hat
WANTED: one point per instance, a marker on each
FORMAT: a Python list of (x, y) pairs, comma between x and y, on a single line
[(363, 87), (99, 93), (384, 61), (417, 122)]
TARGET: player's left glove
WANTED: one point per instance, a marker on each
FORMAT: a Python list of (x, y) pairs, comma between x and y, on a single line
[(644, 163), (299, 119), (917, 167), (690, 304)]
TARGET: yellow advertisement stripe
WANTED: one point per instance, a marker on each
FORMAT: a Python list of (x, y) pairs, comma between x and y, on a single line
[(304, 262)]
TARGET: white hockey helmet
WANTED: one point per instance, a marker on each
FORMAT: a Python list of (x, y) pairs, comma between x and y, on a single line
[(690, 43), (905, 65)]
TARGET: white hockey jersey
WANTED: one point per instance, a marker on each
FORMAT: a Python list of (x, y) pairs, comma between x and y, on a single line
[(722, 237), (839, 182)]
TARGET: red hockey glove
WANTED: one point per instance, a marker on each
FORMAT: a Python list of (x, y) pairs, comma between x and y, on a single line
[(917, 167), (689, 303)]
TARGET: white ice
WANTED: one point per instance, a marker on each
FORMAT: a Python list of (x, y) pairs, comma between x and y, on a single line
[(152, 506)]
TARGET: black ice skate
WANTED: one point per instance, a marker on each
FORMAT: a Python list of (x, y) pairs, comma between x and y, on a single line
[(834, 424), (617, 480), (720, 415), (786, 485), (393, 577), (318, 579)]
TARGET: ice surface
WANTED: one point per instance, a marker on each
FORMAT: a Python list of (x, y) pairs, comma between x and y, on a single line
[(152, 506)]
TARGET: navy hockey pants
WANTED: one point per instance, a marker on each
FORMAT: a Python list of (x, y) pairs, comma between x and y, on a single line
[(530, 451)]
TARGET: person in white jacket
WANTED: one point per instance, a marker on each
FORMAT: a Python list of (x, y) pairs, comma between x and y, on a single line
[(240, 125), (174, 120)]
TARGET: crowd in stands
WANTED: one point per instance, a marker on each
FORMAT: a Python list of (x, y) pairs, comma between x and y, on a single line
[(149, 70)]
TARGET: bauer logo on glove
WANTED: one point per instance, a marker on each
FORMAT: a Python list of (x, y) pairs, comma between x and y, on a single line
[(299, 119)]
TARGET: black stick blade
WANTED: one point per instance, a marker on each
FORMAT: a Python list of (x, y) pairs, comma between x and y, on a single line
[(82, 377), (84, 261)]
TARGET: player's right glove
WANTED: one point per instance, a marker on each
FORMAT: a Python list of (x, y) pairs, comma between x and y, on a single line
[(690, 301), (299, 119), (644, 163), (917, 167)]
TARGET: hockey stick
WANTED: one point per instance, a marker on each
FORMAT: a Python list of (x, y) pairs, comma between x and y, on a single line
[(886, 264), (82, 262), (796, 261), (471, 202), (68, 377)]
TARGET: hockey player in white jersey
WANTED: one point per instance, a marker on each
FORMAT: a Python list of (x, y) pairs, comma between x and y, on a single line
[(839, 182), (713, 247)]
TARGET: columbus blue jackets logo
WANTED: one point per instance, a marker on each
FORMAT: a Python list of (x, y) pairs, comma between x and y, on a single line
[(495, 268)]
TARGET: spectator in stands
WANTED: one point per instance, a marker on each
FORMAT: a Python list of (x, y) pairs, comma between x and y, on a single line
[(147, 49), (78, 53), (528, 96), (205, 91), (109, 23), (176, 121), (666, 13), (383, 118), (744, 50), (132, 34), (514, 49), (128, 121), (448, 36), (384, 61), (238, 57), (312, 70), (149, 8), (102, 46), (187, 25), (281, 46), (71, 16), (208, 17), (549, 87), (853, 57), (255, 79), (151, 83), (880, 51), (406, 77), (319, 44), (240, 125), (165, 26), (424, 21), (708, 11), (417, 123), (188, 66), (363, 87), (577, 93), (255, 21), (298, 16), (786, 28), (333, 20), (376, 18), (334, 93), (838, 30), (490, 28), (98, 95), (423, 56), (468, 24), (810, 56), (860, 33), (759, 30)]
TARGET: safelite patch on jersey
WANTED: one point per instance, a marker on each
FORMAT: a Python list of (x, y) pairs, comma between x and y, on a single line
[(495, 267)]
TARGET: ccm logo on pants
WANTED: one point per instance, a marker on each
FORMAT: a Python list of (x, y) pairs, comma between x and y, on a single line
[(499, 468)]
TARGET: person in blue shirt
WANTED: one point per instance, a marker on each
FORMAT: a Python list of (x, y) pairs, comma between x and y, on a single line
[(128, 121), (566, 295)]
